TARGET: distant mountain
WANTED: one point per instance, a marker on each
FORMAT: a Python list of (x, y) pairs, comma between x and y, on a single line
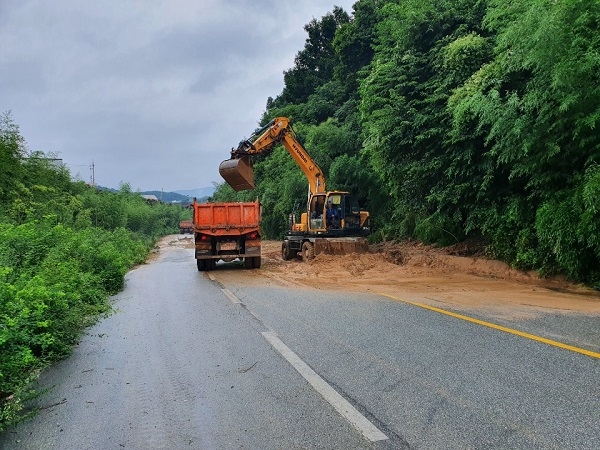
[(198, 192), (183, 196), (169, 197)]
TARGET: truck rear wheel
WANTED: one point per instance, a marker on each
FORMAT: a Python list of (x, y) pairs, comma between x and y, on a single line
[(201, 264), (308, 251), (248, 263), (256, 262)]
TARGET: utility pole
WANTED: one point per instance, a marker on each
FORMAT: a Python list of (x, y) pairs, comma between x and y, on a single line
[(93, 174)]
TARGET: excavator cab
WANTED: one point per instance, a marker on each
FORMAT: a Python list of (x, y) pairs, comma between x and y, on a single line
[(238, 173), (337, 213)]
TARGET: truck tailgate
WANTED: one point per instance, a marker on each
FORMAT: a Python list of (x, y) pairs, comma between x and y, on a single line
[(229, 218)]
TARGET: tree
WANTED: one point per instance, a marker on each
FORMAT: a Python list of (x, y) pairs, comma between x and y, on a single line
[(12, 150), (313, 66), (536, 107), (353, 42), (403, 104)]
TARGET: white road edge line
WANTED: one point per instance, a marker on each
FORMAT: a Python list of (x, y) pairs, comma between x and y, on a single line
[(340, 404), (231, 297)]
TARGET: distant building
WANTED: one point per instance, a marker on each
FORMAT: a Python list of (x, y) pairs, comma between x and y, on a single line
[(56, 162), (151, 198)]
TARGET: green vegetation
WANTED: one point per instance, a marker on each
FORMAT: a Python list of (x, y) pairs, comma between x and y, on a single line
[(449, 119), (452, 119), (64, 248)]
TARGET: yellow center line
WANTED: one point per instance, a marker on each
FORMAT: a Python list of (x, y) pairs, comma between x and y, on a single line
[(499, 327)]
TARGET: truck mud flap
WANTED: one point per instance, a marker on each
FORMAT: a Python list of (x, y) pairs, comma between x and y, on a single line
[(341, 246)]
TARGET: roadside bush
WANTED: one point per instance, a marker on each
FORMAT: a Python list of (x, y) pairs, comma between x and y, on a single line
[(568, 227), (24, 246), (438, 229), (54, 282), (57, 270), (64, 248)]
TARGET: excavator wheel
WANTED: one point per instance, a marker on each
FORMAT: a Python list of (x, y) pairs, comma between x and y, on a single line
[(286, 253), (308, 251)]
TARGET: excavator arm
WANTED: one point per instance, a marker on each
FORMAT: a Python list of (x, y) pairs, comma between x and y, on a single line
[(238, 173)]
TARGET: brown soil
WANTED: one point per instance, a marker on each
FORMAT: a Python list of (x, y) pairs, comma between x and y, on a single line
[(415, 272)]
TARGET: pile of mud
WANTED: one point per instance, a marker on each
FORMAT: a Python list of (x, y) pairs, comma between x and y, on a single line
[(413, 270)]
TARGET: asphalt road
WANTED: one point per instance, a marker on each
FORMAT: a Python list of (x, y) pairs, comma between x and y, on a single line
[(186, 362)]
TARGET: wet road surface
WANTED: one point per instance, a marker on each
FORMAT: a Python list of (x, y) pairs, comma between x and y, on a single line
[(188, 361)]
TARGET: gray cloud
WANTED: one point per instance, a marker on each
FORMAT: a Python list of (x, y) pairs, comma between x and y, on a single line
[(155, 93)]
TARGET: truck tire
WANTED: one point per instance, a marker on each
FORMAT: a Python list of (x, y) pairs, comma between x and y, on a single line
[(210, 264), (256, 262), (308, 251), (201, 263), (248, 263)]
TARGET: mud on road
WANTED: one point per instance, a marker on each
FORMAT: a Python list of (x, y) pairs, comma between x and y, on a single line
[(415, 271)]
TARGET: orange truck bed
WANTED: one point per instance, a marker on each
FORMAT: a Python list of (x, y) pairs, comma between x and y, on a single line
[(235, 218), (227, 231)]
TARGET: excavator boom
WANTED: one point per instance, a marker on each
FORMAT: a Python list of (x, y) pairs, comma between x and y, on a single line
[(237, 171)]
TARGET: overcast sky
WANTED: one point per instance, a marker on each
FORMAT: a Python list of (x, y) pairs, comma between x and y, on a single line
[(154, 93)]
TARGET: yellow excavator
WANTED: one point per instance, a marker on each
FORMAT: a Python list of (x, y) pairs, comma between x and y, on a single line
[(332, 222)]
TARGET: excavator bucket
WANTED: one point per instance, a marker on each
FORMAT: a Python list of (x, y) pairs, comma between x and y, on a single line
[(238, 173), (341, 245)]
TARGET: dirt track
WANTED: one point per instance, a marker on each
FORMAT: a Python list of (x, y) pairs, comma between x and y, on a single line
[(426, 274)]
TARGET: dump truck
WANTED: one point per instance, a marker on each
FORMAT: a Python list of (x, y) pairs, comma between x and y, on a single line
[(331, 221), (186, 226), (226, 231)]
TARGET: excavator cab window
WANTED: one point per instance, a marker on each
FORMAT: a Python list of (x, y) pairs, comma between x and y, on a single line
[(335, 200), (316, 210), (351, 206), (334, 211), (351, 213)]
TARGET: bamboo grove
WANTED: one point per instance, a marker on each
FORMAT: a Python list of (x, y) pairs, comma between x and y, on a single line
[(452, 120)]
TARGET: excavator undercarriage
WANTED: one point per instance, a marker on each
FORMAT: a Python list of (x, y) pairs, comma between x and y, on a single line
[(309, 247)]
